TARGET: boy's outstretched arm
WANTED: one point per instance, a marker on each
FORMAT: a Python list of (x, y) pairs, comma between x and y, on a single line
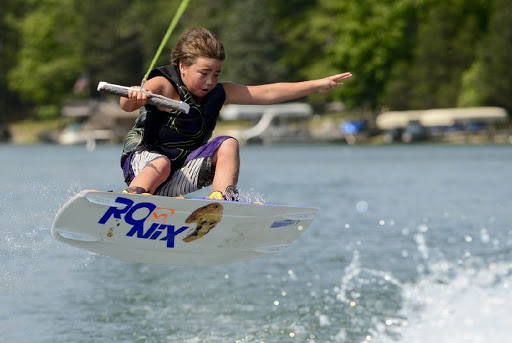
[(282, 91)]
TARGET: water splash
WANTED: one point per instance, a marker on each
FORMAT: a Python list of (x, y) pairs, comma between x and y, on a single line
[(473, 306), (372, 300), (463, 301), (25, 237), (251, 196)]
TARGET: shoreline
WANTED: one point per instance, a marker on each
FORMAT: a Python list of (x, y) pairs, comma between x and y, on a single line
[(324, 129)]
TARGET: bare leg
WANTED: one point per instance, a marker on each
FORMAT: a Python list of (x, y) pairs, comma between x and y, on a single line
[(227, 165), (153, 174)]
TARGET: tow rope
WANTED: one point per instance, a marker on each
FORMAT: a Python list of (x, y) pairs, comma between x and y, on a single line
[(174, 22)]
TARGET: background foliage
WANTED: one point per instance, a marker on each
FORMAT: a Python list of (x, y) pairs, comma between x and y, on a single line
[(404, 54)]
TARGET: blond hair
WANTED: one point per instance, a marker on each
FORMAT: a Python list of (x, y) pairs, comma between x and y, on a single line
[(194, 43)]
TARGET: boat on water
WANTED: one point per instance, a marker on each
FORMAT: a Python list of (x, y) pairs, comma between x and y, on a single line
[(282, 123)]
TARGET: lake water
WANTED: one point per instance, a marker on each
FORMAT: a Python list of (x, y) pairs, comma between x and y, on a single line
[(411, 244)]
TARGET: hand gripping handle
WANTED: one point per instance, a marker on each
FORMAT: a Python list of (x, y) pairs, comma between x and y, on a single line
[(154, 99)]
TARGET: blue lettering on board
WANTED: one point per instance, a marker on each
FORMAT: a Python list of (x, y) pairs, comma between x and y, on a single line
[(282, 223), (136, 216), (154, 232)]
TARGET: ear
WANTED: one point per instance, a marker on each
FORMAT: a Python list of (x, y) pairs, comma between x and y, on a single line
[(182, 69)]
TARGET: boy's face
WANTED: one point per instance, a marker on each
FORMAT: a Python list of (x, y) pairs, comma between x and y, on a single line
[(202, 76)]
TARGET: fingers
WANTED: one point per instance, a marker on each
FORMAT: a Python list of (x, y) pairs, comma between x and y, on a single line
[(340, 77), (141, 97), (331, 82)]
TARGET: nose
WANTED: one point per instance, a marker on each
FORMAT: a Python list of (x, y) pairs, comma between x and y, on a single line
[(209, 80)]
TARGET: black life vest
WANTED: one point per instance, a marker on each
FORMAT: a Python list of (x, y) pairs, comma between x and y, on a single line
[(175, 134)]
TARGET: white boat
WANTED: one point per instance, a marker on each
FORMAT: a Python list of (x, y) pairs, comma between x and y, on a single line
[(283, 123)]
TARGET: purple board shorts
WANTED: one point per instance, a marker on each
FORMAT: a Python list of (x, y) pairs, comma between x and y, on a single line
[(197, 171)]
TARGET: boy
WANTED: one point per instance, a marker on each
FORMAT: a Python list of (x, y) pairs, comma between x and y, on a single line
[(167, 152)]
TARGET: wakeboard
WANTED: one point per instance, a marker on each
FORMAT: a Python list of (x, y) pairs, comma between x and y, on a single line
[(178, 231)]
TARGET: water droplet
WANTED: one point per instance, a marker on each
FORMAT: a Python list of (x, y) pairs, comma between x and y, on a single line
[(362, 206), (484, 235)]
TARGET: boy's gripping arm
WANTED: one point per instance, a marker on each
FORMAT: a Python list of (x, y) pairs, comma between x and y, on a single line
[(155, 86), (280, 92)]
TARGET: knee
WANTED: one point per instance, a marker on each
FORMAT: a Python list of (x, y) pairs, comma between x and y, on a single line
[(228, 150), (229, 146)]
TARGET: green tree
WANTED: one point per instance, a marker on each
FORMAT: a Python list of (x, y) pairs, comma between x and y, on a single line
[(494, 76), (403, 53), (112, 40), (50, 54), (443, 51), (11, 11), (251, 44), (364, 37)]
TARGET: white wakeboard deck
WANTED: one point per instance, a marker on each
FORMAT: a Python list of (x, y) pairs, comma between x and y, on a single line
[(177, 231)]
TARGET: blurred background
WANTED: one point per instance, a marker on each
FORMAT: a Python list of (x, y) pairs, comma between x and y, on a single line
[(404, 54)]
